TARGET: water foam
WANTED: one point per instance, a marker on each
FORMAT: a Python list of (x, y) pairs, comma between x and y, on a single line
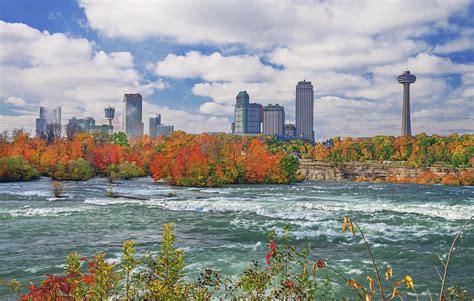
[(111, 201), (55, 211)]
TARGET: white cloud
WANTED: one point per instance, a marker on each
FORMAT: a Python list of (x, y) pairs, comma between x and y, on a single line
[(214, 67), (216, 108), (455, 46), (427, 64), (16, 101), (258, 23)]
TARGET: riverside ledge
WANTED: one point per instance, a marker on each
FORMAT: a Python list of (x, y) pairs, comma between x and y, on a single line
[(361, 171)]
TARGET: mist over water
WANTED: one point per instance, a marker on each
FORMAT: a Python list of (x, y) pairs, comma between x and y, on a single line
[(225, 228)]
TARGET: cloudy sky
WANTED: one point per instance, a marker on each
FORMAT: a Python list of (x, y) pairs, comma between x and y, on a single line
[(189, 59)]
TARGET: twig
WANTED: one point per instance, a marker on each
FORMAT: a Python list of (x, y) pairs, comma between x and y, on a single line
[(446, 266), (345, 280), (437, 272), (373, 261)]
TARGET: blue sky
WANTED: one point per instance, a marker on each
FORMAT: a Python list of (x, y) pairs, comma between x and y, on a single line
[(190, 59)]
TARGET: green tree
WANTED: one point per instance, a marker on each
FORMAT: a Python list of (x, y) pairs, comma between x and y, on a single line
[(289, 165), (120, 138)]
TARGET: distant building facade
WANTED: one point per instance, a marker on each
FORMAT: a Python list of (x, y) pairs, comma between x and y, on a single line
[(81, 125), (163, 129), (87, 125), (105, 128), (273, 120), (305, 110), (247, 116), (154, 122), (290, 130), (255, 118), (47, 116), (132, 117)]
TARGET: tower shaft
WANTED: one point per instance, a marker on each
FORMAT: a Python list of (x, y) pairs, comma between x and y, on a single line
[(406, 121)]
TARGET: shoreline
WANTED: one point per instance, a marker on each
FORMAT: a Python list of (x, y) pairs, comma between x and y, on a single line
[(385, 173)]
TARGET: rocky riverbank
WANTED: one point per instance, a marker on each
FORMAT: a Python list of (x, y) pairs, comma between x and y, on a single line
[(378, 172)]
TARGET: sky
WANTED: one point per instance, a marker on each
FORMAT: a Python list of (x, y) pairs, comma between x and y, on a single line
[(189, 59)]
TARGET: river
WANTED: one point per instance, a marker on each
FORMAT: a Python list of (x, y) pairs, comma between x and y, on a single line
[(408, 226)]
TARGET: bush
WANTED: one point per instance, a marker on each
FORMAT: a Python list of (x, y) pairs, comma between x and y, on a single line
[(289, 166), (76, 170), (427, 177), (450, 179), (124, 171), (16, 168)]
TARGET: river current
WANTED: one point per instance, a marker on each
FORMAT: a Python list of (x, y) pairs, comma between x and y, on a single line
[(408, 226)]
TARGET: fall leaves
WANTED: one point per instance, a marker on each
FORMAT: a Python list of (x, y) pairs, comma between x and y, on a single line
[(348, 224), (420, 150), (211, 160)]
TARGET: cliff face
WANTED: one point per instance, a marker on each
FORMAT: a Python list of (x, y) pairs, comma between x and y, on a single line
[(324, 171)]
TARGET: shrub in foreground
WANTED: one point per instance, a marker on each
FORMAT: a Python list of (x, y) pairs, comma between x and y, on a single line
[(16, 168), (286, 274)]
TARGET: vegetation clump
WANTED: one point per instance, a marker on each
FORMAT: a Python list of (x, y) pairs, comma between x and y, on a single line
[(125, 170), (74, 170), (16, 168)]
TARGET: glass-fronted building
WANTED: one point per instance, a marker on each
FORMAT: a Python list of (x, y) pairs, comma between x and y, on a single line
[(305, 111), (247, 116), (132, 117)]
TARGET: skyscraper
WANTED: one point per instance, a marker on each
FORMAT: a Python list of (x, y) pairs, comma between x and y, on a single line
[(254, 118), (240, 112), (154, 122), (304, 110), (247, 116), (406, 79), (273, 120), (132, 117), (47, 116)]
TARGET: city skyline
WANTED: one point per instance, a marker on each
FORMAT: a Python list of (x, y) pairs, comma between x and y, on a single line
[(66, 54)]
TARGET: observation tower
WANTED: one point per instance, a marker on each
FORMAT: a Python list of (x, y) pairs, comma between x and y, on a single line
[(406, 79)]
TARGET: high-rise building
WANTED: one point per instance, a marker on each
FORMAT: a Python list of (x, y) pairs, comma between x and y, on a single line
[(290, 130), (255, 118), (163, 129), (241, 112), (154, 122), (273, 120), (132, 117), (47, 116), (247, 116), (406, 79), (305, 110)]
